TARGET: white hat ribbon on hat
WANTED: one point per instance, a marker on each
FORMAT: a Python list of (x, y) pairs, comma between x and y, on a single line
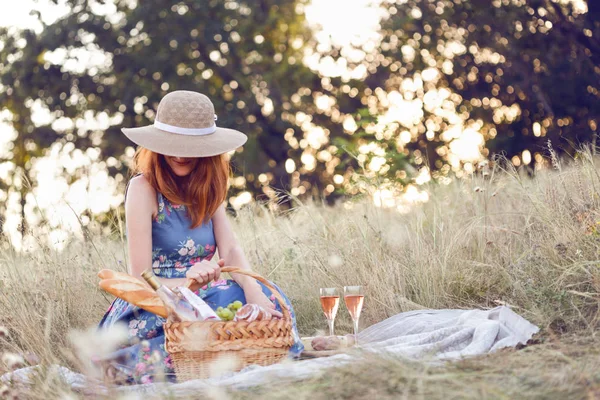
[(186, 131)]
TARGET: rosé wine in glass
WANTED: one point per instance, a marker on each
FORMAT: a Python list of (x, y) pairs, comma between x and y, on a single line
[(354, 298), (330, 301)]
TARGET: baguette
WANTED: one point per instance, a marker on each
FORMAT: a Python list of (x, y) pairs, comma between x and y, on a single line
[(110, 274), (133, 291)]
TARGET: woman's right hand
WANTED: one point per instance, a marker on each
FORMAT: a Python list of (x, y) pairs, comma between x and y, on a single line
[(204, 272)]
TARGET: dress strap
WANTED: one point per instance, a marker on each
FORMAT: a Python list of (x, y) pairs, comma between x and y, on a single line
[(128, 182)]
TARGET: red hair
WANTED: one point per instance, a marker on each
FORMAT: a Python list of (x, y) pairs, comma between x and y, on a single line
[(202, 191)]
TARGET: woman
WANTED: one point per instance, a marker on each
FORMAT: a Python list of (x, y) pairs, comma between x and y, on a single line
[(176, 221)]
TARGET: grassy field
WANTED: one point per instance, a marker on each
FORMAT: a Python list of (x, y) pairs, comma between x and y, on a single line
[(501, 237)]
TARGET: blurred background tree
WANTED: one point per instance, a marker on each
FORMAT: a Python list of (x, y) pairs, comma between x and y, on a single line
[(509, 75), (439, 87), (247, 56)]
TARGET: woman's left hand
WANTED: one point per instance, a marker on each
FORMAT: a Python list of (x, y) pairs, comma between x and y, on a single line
[(255, 295)]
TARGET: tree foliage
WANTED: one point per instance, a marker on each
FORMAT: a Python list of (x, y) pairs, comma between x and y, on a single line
[(246, 56), (520, 72)]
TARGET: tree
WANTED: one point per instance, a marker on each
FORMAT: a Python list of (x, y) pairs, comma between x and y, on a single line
[(246, 56), (518, 72), (19, 66)]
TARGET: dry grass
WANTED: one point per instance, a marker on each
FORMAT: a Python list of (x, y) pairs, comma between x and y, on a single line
[(498, 238), (568, 369)]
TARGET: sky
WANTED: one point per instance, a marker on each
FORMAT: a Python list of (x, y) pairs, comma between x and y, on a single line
[(17, 14)]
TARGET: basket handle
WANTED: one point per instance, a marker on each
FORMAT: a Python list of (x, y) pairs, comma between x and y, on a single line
[(252, 274)]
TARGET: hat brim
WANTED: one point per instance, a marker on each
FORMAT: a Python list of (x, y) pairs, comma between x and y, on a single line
[(222, 141)]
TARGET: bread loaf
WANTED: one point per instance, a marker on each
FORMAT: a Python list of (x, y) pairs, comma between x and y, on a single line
[(132, 290), (110, 274)]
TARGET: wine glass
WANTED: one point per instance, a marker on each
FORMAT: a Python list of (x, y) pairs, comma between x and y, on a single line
[(354, 298), (330, 301)]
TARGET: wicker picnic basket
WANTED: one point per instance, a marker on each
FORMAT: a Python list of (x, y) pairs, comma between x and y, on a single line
[(197, 348)]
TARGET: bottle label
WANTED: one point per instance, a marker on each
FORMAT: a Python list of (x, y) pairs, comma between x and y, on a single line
[(202, 309)]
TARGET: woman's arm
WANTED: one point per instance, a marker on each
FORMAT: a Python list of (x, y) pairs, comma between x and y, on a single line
[(233, 255), (229, 249), (140, 208)]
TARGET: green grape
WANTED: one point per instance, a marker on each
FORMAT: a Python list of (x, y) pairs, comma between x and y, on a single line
[(231, 306), (227, 314), (237, 305), (221, 313)]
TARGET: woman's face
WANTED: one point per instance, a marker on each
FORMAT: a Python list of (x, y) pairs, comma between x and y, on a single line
[(181, 166)]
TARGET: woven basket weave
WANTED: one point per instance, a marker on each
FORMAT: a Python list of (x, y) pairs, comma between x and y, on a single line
[(204, 349)]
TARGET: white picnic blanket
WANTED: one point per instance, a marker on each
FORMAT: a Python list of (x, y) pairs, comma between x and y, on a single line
[(429, 335)]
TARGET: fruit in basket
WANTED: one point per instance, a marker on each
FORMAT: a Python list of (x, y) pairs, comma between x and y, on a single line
[(225, 314), (230, 312)]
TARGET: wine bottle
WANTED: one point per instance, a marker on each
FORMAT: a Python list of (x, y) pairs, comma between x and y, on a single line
[(178, 309), (205, 313)]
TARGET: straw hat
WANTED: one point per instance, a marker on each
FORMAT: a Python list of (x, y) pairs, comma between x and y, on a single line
[(185, 126)]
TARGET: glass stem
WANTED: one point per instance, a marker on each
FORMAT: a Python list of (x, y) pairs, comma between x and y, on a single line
[(330, 322), (355, 323)]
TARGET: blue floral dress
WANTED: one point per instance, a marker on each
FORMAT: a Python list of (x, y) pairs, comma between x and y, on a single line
[(175, 248)]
